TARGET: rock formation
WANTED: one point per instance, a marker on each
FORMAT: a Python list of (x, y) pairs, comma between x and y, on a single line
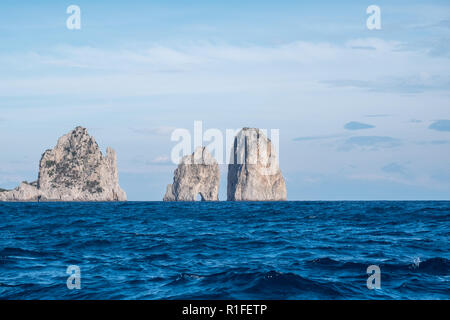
[(253, 172), (196, 174), (75, 170), (24, 192)]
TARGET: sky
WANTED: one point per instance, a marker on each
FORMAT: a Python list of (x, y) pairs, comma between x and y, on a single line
[(362, 114)]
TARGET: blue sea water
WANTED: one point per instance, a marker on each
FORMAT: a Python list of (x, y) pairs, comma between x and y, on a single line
[(225, 250)]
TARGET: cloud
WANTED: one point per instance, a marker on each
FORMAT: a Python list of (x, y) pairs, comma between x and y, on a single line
[(440, 125), (377, 115), (157, 131), (353, 125), (405, 84), (442, 176), (444, 24), (434, 142), (175, 58), (440, 48), (156, 58), (141, 161), (373, 177), (369, 143), (394, 168), (202, 67), (363, 48), (160, 160), (311, 138)]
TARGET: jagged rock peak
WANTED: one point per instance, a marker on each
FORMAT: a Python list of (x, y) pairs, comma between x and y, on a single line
[(197, 174), (75, 170), (254, 173)]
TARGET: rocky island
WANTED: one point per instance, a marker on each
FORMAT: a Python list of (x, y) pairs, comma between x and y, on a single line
[(75, 170), (197, 173), (253, 172)]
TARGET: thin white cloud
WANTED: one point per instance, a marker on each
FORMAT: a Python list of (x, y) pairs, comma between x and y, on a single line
[(370, 143), (161, 160), (157, 131), (322, 137), (208, 68)]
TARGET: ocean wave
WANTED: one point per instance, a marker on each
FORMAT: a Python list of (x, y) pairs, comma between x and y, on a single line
[(235, 283), (438, 265), (19, 252)]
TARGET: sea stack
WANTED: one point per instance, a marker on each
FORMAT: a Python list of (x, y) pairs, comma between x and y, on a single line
[(197, 174), (75, 170), (254, 173)]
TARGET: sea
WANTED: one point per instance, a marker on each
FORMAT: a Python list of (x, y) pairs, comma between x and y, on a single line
[(225, 250)]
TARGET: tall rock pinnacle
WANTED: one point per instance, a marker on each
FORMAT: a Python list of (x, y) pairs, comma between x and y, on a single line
[(253, 172)]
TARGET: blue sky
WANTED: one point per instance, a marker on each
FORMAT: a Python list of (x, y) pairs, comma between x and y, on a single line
[(363, 114)]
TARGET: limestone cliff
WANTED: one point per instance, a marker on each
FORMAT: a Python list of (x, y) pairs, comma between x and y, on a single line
[(75, 170), (24, 192), (196, 174), (254, 173)]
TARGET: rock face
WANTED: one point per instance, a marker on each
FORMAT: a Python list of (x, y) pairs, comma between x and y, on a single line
[(24, 192), (196, 174), (75, 170), (254, 173)]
